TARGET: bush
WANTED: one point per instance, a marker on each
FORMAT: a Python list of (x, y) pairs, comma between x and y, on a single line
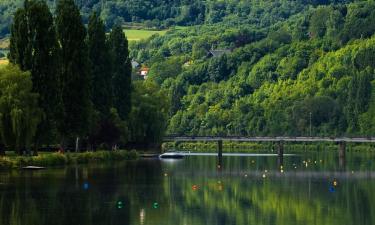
[(103, 156), (55, 159), (6, 163)]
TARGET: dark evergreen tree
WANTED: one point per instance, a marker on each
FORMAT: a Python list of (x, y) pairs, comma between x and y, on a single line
[(19, 41), (34, 47), (121, 78), (74, 70), (100, 66)]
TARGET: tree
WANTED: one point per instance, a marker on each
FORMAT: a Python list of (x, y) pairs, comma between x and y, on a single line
[(19, 42), (109, 131), (318, 22), (359, 95), (121, 78), (74, 72), (19, 111), (149, 113), (34, 47), (100, 66), (218, 69)]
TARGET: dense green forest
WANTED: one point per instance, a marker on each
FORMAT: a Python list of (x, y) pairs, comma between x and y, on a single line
[(284, 67), (163, 14)]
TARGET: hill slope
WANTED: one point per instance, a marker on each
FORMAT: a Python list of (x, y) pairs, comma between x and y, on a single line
[(314, 66)]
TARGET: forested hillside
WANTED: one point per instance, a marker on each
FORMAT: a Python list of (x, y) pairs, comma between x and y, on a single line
[(288, 69)]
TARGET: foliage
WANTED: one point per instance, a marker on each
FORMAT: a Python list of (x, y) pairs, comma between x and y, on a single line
[(240, 68), (19, 112), (100, 66), (149, 113), (270, 82), (121, 72), (74, 69), (34, 47)]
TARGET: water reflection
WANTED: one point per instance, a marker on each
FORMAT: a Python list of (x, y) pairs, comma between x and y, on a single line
[(301, 189)]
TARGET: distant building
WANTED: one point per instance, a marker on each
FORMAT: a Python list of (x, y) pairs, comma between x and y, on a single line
[(217, 52), (143, 72), (135, 64)]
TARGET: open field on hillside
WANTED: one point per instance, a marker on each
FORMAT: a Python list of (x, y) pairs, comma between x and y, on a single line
[(136, 35)]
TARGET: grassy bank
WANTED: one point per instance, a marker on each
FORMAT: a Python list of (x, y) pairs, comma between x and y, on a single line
[(58, 159), (261, 147)]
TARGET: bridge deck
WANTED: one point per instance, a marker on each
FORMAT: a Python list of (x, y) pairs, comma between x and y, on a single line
[(273, 139)]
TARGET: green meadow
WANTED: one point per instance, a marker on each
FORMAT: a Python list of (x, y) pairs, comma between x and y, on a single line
[(136, 35)]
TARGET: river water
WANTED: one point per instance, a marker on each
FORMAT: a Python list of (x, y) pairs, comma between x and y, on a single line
[(304, 189)]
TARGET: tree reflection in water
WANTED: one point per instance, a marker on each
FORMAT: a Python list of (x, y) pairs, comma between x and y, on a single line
[(149, 192)]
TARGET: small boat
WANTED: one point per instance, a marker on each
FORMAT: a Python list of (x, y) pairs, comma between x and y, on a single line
[(33, 168), (172, 155)]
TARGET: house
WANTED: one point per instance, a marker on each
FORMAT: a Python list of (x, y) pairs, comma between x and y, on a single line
[(143, 72), (217, 52)]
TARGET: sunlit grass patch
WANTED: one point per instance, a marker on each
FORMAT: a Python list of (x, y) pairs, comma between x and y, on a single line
[(136, 35), (3, 62)]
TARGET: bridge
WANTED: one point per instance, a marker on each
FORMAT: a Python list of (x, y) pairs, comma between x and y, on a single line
[(341, 141), (270, 139)]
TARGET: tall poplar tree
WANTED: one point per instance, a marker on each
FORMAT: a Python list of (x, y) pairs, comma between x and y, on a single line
[(75, 80), (34, 48), (19, 41), (100, 66), (121, 78)]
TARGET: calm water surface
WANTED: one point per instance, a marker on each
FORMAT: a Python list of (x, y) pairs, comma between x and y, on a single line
[(304, 189)]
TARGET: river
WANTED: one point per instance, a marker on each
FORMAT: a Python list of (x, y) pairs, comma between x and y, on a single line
[(305, 189)]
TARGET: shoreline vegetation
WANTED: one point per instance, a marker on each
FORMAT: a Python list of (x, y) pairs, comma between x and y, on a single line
[(59, 159), (242, 147)]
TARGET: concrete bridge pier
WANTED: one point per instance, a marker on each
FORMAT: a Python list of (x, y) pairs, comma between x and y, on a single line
[(280, 154), (280, 149)]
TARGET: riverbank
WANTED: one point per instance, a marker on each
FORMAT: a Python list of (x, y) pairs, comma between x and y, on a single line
[(243, 147), (58, 159)]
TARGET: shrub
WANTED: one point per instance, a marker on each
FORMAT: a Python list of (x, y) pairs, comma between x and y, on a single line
[(6, 163)]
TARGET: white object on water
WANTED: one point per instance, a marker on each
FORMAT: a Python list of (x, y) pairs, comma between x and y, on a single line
[(33, 168), (172, 155)]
